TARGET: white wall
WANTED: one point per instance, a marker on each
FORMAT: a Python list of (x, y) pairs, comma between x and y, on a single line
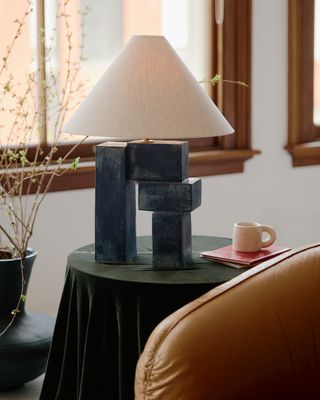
[(270, 191)]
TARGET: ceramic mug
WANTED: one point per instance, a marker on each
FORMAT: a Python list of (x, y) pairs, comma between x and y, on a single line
[(248, 236)]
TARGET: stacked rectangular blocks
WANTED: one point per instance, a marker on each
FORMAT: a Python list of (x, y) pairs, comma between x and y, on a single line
[(161, 168)]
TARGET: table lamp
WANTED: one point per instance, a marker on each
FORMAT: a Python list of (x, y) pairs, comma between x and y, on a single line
[(145, 104)]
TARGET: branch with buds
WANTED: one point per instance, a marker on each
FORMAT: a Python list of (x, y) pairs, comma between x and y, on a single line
[(24, 165), (217, 79)]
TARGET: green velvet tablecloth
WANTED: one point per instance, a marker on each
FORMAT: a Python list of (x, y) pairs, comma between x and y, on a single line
[(108, 311)]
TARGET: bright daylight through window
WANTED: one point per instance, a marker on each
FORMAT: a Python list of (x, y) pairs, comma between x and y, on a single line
[(102, 31)]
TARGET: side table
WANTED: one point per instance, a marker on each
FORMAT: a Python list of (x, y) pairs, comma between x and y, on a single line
[(107, 313)]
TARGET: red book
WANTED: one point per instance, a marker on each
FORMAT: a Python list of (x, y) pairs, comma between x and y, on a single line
[(226, 255)]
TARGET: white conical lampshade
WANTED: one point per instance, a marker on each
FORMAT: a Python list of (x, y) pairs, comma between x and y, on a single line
[(148, 92)]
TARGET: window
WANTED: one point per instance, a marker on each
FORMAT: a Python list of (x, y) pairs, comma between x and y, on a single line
[(189, 25), (304, 82), (230, 56)]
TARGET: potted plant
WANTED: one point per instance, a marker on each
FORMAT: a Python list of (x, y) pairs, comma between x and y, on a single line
[(26, 173)]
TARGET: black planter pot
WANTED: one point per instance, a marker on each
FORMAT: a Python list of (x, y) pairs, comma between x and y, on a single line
[(24, 347)]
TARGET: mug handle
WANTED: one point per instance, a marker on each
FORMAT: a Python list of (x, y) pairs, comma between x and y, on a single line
[(272, 236)]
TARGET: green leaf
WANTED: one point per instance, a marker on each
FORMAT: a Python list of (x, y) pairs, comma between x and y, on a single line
[(216, 79), (74, 164), (23, 297), (12, 155)]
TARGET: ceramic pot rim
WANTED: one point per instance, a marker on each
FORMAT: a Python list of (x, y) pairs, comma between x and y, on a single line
[(30, 253)]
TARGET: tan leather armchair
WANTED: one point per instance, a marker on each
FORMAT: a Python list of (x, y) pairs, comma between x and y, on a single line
[(254, 337)]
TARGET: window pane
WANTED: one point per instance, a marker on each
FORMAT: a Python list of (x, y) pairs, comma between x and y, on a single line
[(110, 24), (63, 40), (316, 111), (18, 93)]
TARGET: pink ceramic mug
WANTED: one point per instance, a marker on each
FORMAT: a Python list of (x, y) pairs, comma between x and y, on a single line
[(248, 236)]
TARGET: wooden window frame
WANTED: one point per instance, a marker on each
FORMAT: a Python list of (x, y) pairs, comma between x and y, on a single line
[(303, 134), (230, 57)]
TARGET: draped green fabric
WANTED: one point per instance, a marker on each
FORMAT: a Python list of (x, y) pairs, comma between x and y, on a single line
[(107, 313)]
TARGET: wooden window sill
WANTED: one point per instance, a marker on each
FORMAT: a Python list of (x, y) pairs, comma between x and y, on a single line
[(304, 154), (202, 163), (217, 162)]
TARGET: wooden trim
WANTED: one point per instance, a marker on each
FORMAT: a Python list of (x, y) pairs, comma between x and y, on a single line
[(305, 154), (237, 33), (217, 162), (231, 58), (202, 163), (85, 151), (82, 178), (301, 128)]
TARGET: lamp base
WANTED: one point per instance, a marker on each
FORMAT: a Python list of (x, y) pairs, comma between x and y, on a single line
[(171, 239), (115, 216), (162, 169)]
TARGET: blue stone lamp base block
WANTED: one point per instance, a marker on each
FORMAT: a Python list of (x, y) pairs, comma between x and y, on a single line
[(182, 196), (115, 217), (171, 239), (158, 160)]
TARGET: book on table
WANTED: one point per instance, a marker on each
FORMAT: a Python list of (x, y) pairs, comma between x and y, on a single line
[(237, 259)]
